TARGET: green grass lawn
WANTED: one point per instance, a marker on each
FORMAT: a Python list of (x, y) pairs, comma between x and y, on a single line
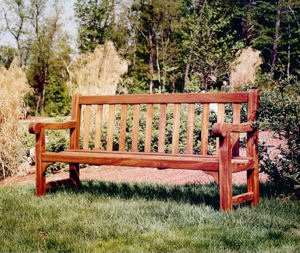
[(109, 217)]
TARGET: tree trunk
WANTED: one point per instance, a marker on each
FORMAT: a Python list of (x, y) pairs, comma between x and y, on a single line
[(158, 67), (276, 37), (186, 72), (173, 87), (37, 104), (164, 79), (205, 77), (43, 102), (189, 60), (289, 53), (151, 56)]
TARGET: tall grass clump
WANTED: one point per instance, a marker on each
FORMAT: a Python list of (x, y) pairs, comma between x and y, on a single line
[(98, 72), (244, 72), (13, 86)]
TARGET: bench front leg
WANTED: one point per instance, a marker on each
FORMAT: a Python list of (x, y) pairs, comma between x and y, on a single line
[(225, 173), (40, 179)]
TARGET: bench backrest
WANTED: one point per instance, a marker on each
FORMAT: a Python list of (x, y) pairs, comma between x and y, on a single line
[(120, 111)]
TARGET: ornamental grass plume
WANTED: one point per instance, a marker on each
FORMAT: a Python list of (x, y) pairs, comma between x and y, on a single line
[(244, 72), (13, 88), (98, 72)]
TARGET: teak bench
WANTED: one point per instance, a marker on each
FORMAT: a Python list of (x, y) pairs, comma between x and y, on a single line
[(221, 164)]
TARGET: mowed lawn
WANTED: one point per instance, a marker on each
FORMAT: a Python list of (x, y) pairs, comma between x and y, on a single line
[(110, 217)]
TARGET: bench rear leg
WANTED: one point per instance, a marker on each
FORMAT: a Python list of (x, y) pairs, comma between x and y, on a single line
[(74, 174), (253, 175), (253, 185)]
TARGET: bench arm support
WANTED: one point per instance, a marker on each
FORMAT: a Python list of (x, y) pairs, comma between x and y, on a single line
[(36, 127), (220, 129)]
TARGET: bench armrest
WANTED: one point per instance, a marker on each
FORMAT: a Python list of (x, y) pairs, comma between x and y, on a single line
[(36, 127), (220, 129)]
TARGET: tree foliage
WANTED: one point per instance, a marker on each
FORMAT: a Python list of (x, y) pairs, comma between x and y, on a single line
[(96, 20)]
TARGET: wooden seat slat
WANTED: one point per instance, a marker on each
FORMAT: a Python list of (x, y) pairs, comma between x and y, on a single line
[(141, 160), (98, 126), (86, 126), (110, 127), (236, 136), (236, 158), (123, 121), (176, 128), (190, 129), (148, 132), (162, 128), (135, 128), (204, 129)]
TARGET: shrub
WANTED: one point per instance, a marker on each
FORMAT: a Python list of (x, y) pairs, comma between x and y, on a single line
[(280, 113)]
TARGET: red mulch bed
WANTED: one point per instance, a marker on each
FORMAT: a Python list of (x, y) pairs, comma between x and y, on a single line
[(129, 174)]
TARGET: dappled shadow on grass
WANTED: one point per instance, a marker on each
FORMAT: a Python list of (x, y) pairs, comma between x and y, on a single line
[(191, 193), (207, 194)]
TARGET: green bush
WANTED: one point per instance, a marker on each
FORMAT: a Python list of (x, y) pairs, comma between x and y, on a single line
[(56, 141), (280, 112)]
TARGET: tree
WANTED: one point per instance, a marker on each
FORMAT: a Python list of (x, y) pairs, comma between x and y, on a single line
[(7, 54), (208, 41), (153, 31), (15, 17), (49, 52), (96, 20), (274, 31)]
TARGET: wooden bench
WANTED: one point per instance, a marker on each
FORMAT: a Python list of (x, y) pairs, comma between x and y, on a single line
[(93, 112)]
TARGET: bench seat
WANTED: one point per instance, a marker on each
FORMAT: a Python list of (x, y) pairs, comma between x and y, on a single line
[(154, 160)]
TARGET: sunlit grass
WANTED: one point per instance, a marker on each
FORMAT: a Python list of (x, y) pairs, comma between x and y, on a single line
[(109, 217)]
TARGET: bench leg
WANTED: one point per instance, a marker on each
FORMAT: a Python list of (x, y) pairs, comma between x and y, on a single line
[(253, 175), (253, 185), (225, 174), (40, 180), (74, 174)]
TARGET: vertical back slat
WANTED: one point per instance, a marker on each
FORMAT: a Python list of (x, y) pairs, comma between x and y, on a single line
[(190, 129), (86, 126), (122, 140), (220, 119), (135, 128), (110, 127), (176, 127), (236, 136), (204, 130), (75, 115), (98, 126), (162, 128), (148, 133)]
